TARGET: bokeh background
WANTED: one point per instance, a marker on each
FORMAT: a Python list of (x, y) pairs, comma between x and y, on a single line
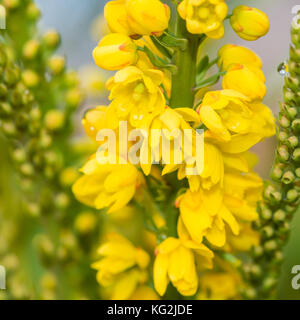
[(80, 27)]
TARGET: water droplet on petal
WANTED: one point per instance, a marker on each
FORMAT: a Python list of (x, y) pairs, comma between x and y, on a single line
[(283, 69)]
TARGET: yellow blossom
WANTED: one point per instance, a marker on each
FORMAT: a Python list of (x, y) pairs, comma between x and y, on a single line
[(147, 17), (115, 51), (176, 262), (247, 80), (231, 54), (204, 16), (122, 266), (136, 95), (109, 186), (116, 17), (137, 17), (219, 286), (205, 212), (144, 293), (249, 23), (247, 239), (85, 222), (227, 113)]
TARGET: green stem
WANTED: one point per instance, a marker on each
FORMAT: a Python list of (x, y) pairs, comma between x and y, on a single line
[(184, 80)]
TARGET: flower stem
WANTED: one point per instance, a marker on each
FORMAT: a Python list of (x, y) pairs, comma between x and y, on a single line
[(183, 81)]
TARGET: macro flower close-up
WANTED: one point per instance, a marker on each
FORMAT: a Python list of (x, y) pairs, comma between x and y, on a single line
[(150, 150)]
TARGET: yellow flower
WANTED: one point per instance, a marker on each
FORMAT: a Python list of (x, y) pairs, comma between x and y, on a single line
[(227, 113), (247, 80), (219, 286), (85, 222), (107, 185), (167, 127), (136, 95), (54, 120), (144, 293), (147, 17), (176, 262), (115, 51), (247, 239), (122, 266), (249, 23), (115, 14), (137, 17), (212, 172), (205, 212), (231, 54), (204, 16)]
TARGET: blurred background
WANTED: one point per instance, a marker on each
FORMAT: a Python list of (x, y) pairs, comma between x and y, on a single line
[(80, 25)]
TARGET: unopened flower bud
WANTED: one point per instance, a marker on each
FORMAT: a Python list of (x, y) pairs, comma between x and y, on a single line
[(249, 23), (115, 51), (54, 120), (296, 155), (51, 39), (57, 64), (31, 49), (279, 215), (154, 22), (288, 177)]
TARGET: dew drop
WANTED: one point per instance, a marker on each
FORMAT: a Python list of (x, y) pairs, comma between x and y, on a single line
[(283, 69)]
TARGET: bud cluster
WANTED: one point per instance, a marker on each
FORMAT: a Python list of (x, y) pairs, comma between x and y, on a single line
[(281, 196)]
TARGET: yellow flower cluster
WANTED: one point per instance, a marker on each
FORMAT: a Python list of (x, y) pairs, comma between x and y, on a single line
[(122, 269), (218, 203)]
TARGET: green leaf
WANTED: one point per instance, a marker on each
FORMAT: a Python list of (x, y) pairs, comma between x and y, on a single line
[(209, 81), (172, 41), (162, 48), (158, 61), (202, 68)]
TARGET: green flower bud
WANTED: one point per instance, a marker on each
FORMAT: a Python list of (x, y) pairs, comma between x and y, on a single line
[(278, 255), (296, 155), (288, 177), (57, 64), (283, 153), (295, 54), (279, 215), (288, 96), (19, 155), (266, 214), (270, 245), (51, 39), (33, 209), (272, 195), (292, 195), (296, 125), (8, 128), (27, 169), (297, 171), (33, 12), (31, 49), (11, 4), (3, 91), (277, 172), (11, 76), (267, 231), (284, 122), (5, 109), (283, 136), (293, 142), (62, 200), (258, 251), (292, 83)]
